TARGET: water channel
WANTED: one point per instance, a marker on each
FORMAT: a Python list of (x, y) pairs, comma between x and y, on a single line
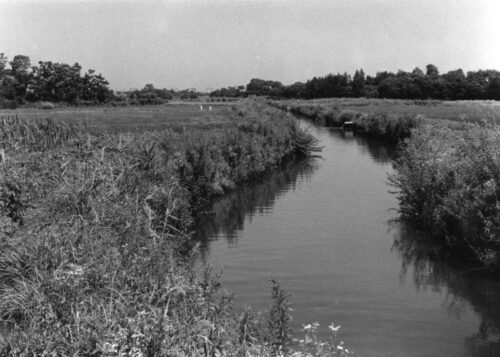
[(324, 228)]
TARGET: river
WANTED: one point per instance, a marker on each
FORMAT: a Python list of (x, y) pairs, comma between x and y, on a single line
[(326, 229)]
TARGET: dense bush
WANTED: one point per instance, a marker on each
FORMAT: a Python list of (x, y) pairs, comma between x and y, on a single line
[(449, 182)]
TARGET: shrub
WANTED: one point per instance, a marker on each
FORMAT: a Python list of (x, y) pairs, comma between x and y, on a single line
[(449, 182)]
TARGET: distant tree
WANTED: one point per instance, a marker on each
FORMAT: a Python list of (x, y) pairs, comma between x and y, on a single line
[(20, 64), (94, 87), (3, 62), (455, 82), (21, 71), (417, 72), (358, 84), (381, 76), (296, 90), (57, 82), (264, 87), (432, 70), (493, 89)]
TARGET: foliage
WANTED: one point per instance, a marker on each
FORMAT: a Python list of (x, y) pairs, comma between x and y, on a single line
[(449, 183), (383, 126), (102, 264), (279, 330), (454, 85), (55, 82)]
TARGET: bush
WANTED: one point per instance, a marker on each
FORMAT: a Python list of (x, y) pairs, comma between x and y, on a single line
[(449, 183)]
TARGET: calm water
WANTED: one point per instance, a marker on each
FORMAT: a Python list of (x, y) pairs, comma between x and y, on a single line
[(324, 228)]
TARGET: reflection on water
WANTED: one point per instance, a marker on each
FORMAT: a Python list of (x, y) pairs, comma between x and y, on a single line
[(227, 215), (320, 226), (419, 258), (380, 151)]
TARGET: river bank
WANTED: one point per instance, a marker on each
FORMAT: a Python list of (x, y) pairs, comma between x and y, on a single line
[(95, 235), (447, 171)]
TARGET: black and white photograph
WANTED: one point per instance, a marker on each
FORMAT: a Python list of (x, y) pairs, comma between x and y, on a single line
[(250, 178)]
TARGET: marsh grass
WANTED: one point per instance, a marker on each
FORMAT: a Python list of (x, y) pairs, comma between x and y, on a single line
[(95, 245)]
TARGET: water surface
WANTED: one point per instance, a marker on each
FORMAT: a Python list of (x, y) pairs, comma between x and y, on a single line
[(325, 229)]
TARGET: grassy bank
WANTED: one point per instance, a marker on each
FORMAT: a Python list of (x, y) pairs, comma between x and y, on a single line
[(389, 127), (448, 182), (95, 245), (391, 119), (448, 169)]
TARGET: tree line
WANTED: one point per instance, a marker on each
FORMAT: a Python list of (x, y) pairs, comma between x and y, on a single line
[(453, 85), (24, 83), (50, 81)]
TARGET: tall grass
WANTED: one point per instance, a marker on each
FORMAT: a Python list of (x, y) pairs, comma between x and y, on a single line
[(448, 181), (95, 243)]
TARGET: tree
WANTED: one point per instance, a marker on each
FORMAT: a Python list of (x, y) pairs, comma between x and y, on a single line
[(358, 84), (263, 87), (432, 70), (21, 64), (95, 87), (417, 72), (21, 71), (3, 62), (493, 90)]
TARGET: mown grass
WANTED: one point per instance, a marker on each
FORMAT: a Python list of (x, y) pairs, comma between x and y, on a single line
[(95, 243)]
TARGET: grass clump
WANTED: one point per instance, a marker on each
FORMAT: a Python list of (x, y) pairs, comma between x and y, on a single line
[(96, 253)]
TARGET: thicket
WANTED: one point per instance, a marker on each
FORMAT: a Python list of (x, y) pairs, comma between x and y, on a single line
[(448, 182), (95, 248)]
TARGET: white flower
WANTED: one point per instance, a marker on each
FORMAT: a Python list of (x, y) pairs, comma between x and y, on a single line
[(334, 328)]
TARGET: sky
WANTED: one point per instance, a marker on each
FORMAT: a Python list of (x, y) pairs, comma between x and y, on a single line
[(219, 43)]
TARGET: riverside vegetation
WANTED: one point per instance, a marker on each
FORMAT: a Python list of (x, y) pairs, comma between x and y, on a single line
[(447, 175), (95, 244)]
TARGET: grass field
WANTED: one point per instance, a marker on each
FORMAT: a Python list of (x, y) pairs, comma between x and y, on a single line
[(132, 119), (432, 109)]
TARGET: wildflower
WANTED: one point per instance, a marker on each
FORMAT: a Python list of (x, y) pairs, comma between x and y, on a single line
[(334, 328)]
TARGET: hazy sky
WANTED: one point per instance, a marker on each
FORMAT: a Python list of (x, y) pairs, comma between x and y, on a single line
[(184, 44)]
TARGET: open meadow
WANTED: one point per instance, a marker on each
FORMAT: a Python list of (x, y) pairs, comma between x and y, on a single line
[(124, 119), (469, 110)]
